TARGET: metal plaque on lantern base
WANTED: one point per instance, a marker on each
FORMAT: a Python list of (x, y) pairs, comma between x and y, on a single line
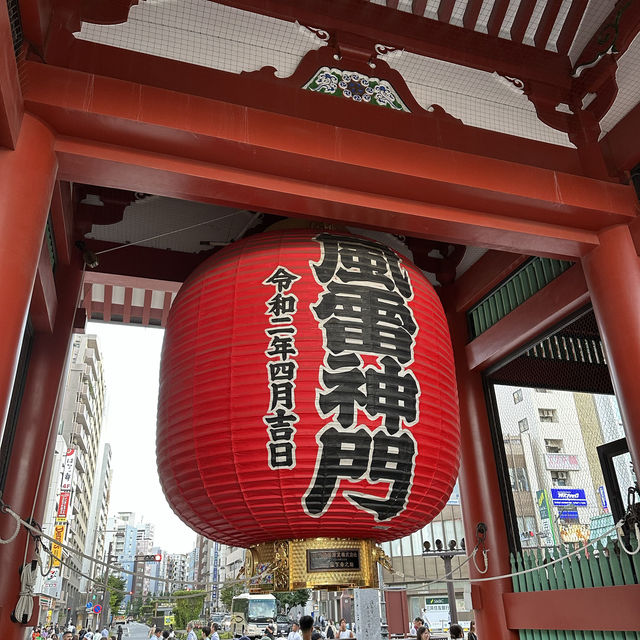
[(313, 563)]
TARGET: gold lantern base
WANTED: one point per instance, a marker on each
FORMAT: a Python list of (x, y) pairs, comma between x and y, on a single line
[(313, 563)]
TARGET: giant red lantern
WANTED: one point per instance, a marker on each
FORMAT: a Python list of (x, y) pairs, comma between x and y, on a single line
[(307, 389)]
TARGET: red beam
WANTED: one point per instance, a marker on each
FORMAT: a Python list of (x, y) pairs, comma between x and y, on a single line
[(547, 20), (561, 297), (522, 19), (471, 13), (445, 9), (44, 300), (571, 24), (146, 310), (575, 609), (265, 92), (172, 144), (134, 282), (166, 307), (11, 105), (417, 7), (486, 274), (126, 312), (62, 220), (497, 17), (423, 36), (108, 295), (180, 178), (136, 313)]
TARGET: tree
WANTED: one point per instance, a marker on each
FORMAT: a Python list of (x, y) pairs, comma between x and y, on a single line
[(290, 599), (116, 588), (228, 590), (187, 608)]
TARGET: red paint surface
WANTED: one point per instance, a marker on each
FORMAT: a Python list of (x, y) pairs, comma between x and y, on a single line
[(26, 182), (612, 272), (212, 442)]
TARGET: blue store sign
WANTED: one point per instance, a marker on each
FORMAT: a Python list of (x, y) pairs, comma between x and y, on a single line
[(569, 497)]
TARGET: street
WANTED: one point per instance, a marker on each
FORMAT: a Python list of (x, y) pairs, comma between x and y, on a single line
[(137, 631)]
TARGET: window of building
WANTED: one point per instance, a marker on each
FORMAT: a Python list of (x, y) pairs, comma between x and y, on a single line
[(519, 479), (560, 478), (553, 446), (548, 415), (523, 425), (517, 396)]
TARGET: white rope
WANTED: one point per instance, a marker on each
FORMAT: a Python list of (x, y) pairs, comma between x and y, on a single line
[(14, 535), (532, 569), (167, 233), (619, 533), (24, 608), (486, 561)]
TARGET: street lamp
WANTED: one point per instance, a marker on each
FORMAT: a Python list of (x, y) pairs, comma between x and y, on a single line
[(447, 556)]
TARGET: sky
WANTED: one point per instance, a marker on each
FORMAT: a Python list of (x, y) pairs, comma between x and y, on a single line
[(131, 360)]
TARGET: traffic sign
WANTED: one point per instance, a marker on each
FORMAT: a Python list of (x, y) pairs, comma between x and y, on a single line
[(97, 608), (89, 605)]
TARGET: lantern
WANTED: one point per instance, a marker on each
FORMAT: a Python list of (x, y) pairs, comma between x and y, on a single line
[(307, 404)]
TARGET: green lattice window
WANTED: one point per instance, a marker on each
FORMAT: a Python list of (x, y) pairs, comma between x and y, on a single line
[(518, 287)]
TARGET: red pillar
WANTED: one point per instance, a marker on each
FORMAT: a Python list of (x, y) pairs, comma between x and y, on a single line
[(612, 271), (35, 439), (479, 487), (27, 175)]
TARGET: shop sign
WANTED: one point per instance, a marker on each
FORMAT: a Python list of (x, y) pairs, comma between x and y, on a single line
[(568, 497), (63, 505), (56, 548), (562, 462), (67, 470), (603, 499), (545, 515)]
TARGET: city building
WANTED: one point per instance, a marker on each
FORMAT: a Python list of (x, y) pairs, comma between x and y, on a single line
[(78, 493)]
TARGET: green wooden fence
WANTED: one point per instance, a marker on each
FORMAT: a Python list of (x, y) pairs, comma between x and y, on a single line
[(603, 564)]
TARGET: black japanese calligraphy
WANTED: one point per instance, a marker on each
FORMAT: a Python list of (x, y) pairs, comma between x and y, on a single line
[(281, 370), (363, 311)]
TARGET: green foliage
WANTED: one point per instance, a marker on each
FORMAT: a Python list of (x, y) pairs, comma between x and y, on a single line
[(187, 608), (230, 589), (288, 599), (116, 587)]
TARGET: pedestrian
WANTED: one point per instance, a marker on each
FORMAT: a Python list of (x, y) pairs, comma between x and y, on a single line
[(67, 635), (294, 634), (104, 633), (152, 630), (306, 627), (88, 634), (214, 631), (119, 632), (205, 633), (343, 632), (330, 630), (455, 631), (317, 634), (158, 633), (423, 633), (472, 631), (269, 633), (191, 634), (417, 623)]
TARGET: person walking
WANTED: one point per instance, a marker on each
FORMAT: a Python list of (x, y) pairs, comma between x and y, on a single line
[(343, 631), (191, 634), (306, 627), (214, 631), (472, 631), (456, 632), (294, 634), (417, 623), (205, 632), (330, 631), (423, 633), (119, 634)]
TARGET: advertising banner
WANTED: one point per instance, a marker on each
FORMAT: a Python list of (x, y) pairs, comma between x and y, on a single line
[(545, 516), (562, 497), (67, 469), (56, 549), (63, 505)]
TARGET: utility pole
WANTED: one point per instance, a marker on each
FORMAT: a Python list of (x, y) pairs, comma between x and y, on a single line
[(105, 594), (447, 557)]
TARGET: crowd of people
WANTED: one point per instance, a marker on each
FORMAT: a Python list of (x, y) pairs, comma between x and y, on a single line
[(52, 632), (421, 631)]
